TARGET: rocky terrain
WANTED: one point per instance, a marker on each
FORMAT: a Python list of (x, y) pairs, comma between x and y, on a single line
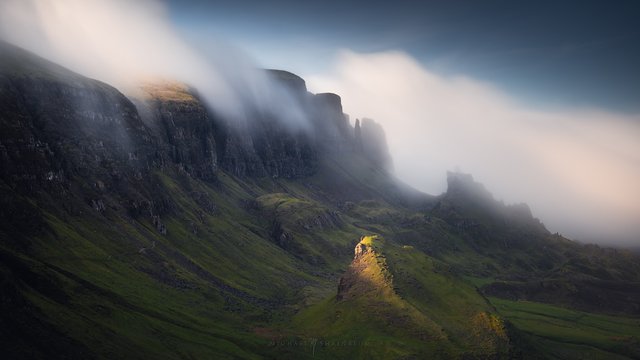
[(148, 226)]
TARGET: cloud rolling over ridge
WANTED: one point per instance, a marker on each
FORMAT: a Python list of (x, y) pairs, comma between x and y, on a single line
[(579, 169), (125, 42)]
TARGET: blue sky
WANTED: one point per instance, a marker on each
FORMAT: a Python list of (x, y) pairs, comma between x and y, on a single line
[(545, 53)]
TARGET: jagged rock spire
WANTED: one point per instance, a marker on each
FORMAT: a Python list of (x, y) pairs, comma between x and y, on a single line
[(358, 136)]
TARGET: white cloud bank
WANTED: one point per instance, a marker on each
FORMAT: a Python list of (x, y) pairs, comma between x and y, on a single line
[(578, 169), (124, 42)]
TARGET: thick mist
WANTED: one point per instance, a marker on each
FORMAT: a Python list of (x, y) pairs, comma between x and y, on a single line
[(578, 169), (125, 43)]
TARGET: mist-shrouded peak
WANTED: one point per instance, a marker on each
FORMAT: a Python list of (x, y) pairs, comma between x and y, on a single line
[(291, 80), (18, 62), (462, 188), (374, 143), (468, 205), (577, 166), (462, 184), (331, 99)]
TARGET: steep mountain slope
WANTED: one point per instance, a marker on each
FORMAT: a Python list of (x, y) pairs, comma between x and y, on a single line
[(151, 228)]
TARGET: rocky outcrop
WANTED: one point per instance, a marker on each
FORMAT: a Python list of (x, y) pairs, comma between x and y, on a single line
[(368, 274), (357, 133), (472, 210), (373, 142), (463, 186), (201, 142), (331, 124)]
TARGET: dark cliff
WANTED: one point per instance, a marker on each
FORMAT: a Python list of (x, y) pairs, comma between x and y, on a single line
[(76, 139), (64, 124), (57, 124), (371, 140), (186, 134)]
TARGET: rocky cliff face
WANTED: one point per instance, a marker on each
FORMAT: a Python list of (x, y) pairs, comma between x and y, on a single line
[(200, 142), (182, 125), (334, 134), (58, 127), (64, 125), (83, 142), (371, 140)]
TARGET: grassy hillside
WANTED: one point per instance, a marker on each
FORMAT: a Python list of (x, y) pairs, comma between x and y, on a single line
[(121, 238), (398, 302), (199, 281), (569, 334), (220, 283)]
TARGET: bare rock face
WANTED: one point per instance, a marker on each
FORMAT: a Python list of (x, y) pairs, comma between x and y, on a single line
[(200, 142), (264, 146), (237, 155), (72, 141), (280, 236), (59, 129), (325, 220), (357, 133), (374, 144), (360, 250), (283, 152), (58, 126), (331, 125), (463, 185), (184, 126), (88, 147)]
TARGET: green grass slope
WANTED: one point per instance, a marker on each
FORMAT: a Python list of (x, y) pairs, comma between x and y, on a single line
[(220, 283), (394, 301), (569, 334), (110, 260)]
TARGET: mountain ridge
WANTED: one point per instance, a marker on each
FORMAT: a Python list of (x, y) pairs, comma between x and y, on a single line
[(151, 227)]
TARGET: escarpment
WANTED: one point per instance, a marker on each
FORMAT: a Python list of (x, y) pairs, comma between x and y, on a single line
[(61, 123)]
